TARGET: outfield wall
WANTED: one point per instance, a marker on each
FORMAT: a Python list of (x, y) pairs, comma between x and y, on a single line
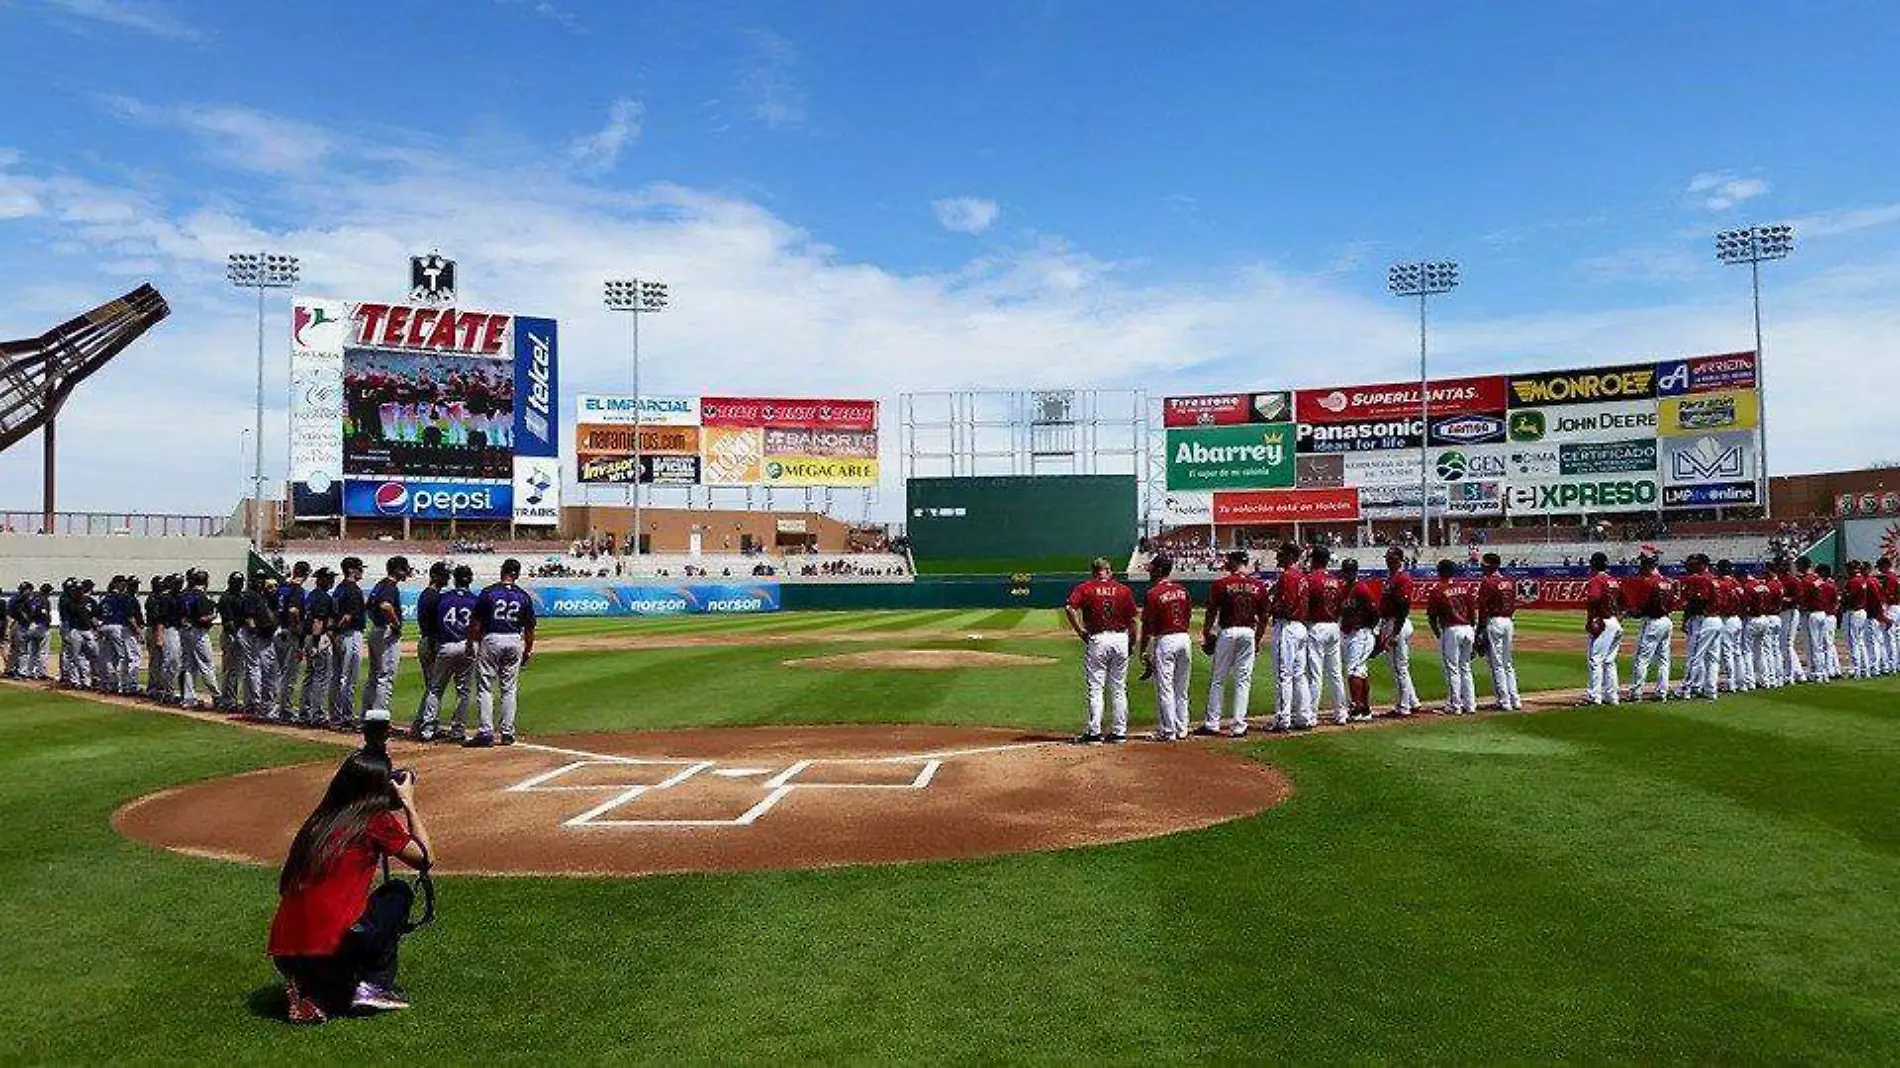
[(580, 597)]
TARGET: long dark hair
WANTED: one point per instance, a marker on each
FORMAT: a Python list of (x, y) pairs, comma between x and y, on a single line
[(359, 790)]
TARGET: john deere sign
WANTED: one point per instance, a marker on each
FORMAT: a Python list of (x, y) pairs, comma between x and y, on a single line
[(1231, 457)]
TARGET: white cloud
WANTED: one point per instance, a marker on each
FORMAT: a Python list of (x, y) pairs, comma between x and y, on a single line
[(1851, 220), (240, 137), (760, 305), (153, 19), (1720, 190), (600, 151), (965, 215), (767, 82)]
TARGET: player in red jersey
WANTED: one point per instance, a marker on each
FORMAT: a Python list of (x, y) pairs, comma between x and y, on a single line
[(1761, 661), (1292, 697), (1822, 600), (1102, 613), (1236, 623), (1325, 663), (1395, 631), (1860, 607), (1497, 626), (1603, 598), (1650, 595), (1728, 601), (1450, 609), (1701, 625), (1890, 597), (1166, 614), (1359, 620)]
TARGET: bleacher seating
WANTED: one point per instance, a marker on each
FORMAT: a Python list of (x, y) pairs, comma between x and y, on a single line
[(548, 561), (1751, 548)]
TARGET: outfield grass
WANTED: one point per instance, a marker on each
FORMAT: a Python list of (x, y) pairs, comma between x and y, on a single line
[(1686, 882)]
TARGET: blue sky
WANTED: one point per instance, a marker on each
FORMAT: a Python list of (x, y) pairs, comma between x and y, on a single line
[(871, 198)]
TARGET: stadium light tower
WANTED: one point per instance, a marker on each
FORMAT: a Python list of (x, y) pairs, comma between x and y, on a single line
[(260, 271), (635, 297), (1753, 245), (1423, 280)]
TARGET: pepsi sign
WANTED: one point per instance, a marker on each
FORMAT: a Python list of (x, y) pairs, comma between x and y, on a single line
[(399, 499)]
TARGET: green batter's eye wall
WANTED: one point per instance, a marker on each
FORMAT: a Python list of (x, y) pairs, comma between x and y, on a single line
[(1035, 523)]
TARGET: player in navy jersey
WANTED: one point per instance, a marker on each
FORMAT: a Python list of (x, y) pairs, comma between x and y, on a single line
[(451, 617), (503, 635)]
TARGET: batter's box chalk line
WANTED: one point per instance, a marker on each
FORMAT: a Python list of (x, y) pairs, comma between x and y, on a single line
[(675, 771)]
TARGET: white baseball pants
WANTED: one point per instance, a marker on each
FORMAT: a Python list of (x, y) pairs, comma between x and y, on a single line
[(1791, 636), (1893, 638), (1821, 652), (1731, 678), (1174, 664), (1398, 654), (1456, 645), (1856, 627), (1104, 667), (1601, 661), (1500, 635), (498, 670), (1652, 650), (1325, 665), (1705, 654), (1359, 652), (1235, 649), (1292, 698), (1759, 658)]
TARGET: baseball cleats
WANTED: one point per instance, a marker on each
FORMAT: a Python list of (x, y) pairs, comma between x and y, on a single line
[(1341, 718), (422, 732), (506, 738), (1088, 738), (1204, 731), (1114, 739), (372, 998), (483, 740), (302, 1009)]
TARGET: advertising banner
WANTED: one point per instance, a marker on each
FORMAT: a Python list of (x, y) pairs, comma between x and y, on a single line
[(1187, 508), (1636, 456), (615, 409), (572, 598), (1286, 506), (858, 443), (1474, 498), (1718, 495), (1399, 501), (1867, 505), (1589, 386), (1870, 539), (789, 413), (818, 471), (617, 470), (732, 456), (537, 491), (605, 439), (1481, 428), (1706, 374), (1610, 493), (1233, 457), (316, 395), (1614, 421), (1462, 465), (1382, 469), (1319, 470), (1449, 396), (1709, 413), (1533, 462), (400, 498), (537, 385), (1389, 435), (1227, 409), (1709, 459)]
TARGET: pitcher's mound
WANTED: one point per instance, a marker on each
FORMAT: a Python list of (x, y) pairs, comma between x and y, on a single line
[(919, 660), (751, 798)]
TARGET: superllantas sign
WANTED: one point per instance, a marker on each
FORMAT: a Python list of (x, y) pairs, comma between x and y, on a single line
[(404, 326), (1393, 400)]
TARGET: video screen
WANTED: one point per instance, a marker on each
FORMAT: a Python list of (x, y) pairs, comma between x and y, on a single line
[(427, 415)]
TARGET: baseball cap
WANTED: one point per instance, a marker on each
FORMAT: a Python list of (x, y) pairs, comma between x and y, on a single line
[(352, 563), (438, 570), (324, 572), (399, 565)]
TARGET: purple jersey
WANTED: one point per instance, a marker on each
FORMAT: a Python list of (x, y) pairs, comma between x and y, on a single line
[(505, 609), (453, 610)]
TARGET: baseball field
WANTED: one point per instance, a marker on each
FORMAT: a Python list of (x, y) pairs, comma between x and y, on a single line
[(1711, 882)]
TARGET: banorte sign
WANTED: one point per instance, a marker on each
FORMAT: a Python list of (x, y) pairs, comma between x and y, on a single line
[(1354, 404)]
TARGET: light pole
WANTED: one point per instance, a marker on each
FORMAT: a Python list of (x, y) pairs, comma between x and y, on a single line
[(1752, 245), (260, 271), (635, 297), (1423, 280)]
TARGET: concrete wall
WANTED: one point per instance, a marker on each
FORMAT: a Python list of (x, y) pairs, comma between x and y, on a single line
[(51, 558)]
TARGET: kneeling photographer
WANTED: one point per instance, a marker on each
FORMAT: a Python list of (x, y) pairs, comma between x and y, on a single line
[(333, 939)]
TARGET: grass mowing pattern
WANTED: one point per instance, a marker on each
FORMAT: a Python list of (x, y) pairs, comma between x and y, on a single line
[(1684, 882)]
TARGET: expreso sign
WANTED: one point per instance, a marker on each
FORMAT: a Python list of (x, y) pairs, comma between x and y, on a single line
[(1606, 495)]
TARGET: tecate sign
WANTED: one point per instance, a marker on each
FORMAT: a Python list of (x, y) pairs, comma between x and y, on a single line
[(403, 326), (395, 499), (1603, 495)]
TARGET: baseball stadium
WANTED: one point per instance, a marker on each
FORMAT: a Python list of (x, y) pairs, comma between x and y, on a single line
[(1466, 695)]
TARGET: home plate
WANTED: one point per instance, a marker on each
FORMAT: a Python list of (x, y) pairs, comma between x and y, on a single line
[(739, 773)]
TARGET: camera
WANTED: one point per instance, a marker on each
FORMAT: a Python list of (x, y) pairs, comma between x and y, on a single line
[(401, 776)]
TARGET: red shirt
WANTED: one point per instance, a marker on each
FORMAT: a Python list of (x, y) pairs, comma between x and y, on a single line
[(1362, 606), (312, 920), (1759, 598), (1325, 596), (1497, 598), (1777, 596), (1808, 592), (1289, 596), (1876, 597), (1451, 605), (1107, 606), (1698, 595), (1604, 597), (1236, 600), (1890, 587), (1827, 595), (1396, 603), (1167, 610), (1649, 596), (1728, 596), (1856, 593)]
